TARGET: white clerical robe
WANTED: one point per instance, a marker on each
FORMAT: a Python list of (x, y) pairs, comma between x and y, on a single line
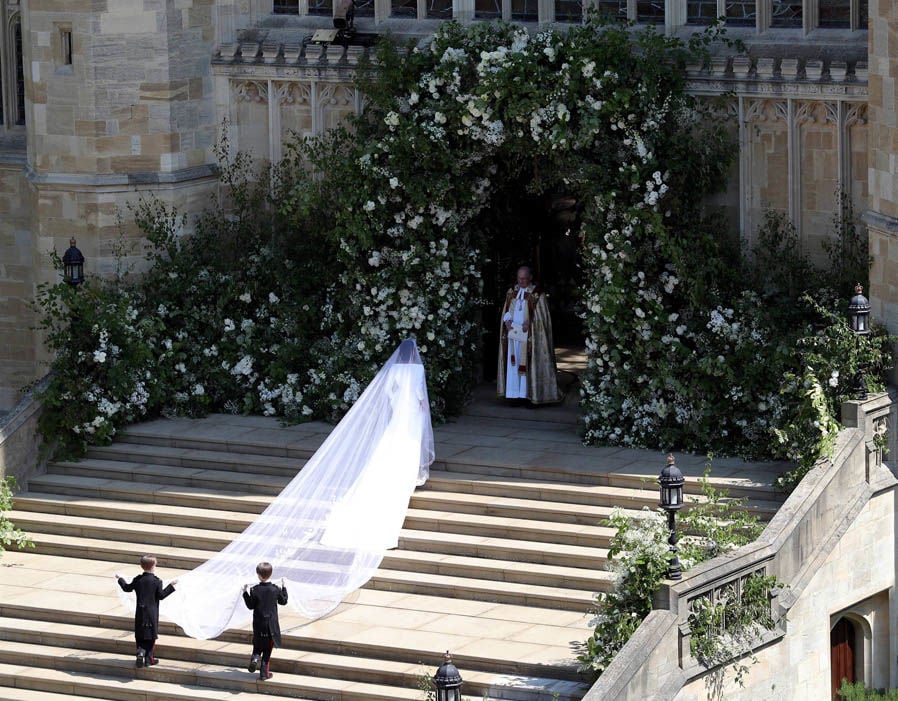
[(515, 382)]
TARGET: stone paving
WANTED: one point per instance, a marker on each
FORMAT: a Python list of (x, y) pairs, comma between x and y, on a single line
[(515, 441)]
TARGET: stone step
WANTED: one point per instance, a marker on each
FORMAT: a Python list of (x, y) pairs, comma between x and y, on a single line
[(208, 541), (247, 463), (14, 694), (46, 658), (639, 495), (416, 519), (230, 433), (580, 464), (125, 490), (230, 657), (186, 486), (327, 636), (123, 521), (172, 475), (27, 683), (503, 548), (139, 508), (146, 510), (462, 583)]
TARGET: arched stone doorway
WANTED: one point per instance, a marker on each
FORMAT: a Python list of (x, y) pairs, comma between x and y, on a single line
[(844, 653)]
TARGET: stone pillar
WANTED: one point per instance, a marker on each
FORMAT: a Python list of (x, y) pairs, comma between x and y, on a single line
[(882, 159)]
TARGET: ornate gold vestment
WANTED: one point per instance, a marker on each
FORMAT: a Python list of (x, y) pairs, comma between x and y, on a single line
[(539, 361)]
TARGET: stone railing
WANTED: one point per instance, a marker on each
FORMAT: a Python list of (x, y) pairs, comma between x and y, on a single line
[(658, 660), (20, 454)]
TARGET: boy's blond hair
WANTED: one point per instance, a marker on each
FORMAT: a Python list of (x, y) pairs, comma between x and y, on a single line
[(147, 562)]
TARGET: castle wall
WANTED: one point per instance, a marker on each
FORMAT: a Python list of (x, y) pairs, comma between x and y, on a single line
[(17, 341), (152, 84), (882, 216), (855, 580)]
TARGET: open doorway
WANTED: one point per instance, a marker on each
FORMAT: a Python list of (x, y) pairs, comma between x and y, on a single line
[(542, 231)]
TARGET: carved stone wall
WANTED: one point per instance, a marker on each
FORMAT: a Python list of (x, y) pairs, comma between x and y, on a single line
[(265, 115), (798, 156), (882, 216)]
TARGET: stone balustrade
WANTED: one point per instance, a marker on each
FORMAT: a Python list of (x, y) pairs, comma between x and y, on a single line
[(20, 446), (657, 662)]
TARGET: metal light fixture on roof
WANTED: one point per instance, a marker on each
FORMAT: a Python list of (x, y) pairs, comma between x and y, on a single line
[(73, 265), (671, 481), (447, 681)]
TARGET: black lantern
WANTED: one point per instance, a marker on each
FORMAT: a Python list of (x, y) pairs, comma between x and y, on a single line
[(859, 312), (73, 265), (672, 481), (859, 321), (447, 681)]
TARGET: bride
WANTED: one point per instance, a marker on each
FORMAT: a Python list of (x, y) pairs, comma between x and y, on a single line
[(328, 530)]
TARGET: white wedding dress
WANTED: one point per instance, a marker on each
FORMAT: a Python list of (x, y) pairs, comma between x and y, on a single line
[(328, 530), (382, 491)]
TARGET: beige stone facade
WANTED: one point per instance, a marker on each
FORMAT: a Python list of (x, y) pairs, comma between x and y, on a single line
[(126, 97), (130, 97), (855, 582)]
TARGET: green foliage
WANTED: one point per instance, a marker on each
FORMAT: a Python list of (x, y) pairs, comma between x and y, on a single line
[(715, 523), (859, 692), (9, 534), (725, 627), (426, 686), (290, 290), (102, 371), (831, 358), (639, 557)]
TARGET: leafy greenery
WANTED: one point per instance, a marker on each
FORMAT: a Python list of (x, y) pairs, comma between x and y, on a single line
[(714, 523), (724, 628), (289, 291), (859, 692), (9, 534)]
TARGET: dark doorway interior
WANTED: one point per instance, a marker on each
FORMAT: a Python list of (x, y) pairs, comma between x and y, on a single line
[(541, 231)]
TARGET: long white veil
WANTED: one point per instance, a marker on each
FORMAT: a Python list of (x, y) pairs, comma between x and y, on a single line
[(328, 530)]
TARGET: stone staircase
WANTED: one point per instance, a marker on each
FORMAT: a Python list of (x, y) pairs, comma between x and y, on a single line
[(498, 560)]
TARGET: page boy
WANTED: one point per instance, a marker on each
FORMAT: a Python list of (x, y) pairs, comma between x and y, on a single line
[(149, 591), (263, 599)]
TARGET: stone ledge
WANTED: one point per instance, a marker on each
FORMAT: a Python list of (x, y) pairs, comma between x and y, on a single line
[(138, 178)]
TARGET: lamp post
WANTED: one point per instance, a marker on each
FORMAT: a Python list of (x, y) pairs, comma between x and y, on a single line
[(671, 481), (73, 265), (859, 322), (447, 681)]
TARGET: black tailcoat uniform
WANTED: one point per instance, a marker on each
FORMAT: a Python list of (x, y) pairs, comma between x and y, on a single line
[(148, 588), (263, 599)]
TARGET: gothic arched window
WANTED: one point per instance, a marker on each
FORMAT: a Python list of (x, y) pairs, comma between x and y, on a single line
[(12, 71), (19, 109)]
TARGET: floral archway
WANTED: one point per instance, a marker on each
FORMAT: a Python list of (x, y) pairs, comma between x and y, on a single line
[(292, 291), (599, 113)]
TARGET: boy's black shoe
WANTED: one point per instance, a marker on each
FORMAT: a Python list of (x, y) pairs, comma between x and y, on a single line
[(265, 671), (141, 659), (254, 663), (153, 660)]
